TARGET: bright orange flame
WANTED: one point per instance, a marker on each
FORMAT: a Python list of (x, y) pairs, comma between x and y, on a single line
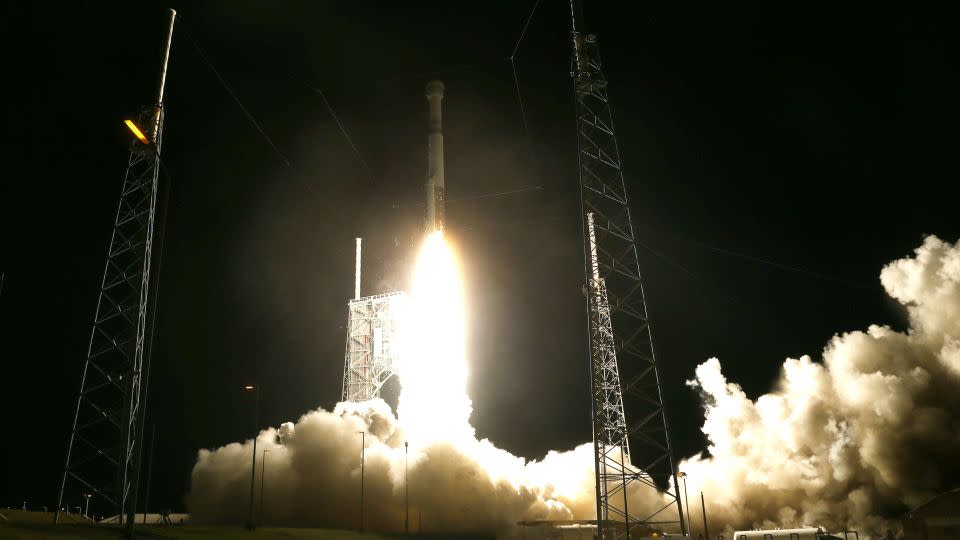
[(136, 131)]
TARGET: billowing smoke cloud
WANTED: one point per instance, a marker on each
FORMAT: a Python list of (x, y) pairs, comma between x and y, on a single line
[(313, 478), (871, 431), (849, 442)]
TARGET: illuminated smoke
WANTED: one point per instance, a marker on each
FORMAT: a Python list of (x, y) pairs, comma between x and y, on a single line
[(870, 431)]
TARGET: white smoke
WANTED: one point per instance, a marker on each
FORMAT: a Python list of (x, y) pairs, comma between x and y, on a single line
[(862, 436), (845, 443), (313, 478)]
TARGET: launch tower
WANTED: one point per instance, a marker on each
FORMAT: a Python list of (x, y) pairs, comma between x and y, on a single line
[(372, 350), (634, 447)]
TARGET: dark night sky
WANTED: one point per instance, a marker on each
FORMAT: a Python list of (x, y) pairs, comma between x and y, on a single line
[(820, 136)]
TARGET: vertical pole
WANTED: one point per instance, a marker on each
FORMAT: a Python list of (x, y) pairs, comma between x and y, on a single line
[(591, 280), (703, 506), (406, 486), (263, 471), (686, 500), (363, 448), (623, 482), (146, 501), (253, 466), (356, 287), (166, 58)]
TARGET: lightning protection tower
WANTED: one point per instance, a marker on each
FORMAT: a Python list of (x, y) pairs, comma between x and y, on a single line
[(623, 366), (104, 450)]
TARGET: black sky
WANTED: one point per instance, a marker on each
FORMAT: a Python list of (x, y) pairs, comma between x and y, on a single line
[(819, 136)]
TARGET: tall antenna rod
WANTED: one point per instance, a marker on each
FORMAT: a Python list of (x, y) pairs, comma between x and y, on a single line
[(623, 368), (356, 288), (104, 449)]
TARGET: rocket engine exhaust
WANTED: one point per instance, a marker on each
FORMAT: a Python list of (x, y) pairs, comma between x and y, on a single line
[(435, 188)]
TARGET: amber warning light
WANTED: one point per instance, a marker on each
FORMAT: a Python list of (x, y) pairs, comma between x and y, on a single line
[(136, 131)]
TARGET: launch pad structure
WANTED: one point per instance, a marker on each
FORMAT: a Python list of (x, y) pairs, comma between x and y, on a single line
[(372, 350), (372, 344)]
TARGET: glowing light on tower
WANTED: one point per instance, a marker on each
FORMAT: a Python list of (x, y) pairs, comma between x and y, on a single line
[(434, 404)]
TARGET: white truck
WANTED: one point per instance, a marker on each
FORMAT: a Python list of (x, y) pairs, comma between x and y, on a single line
[(806, 533)]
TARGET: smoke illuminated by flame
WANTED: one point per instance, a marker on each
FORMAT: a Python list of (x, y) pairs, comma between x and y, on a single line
[(843, 443), (434, 404)]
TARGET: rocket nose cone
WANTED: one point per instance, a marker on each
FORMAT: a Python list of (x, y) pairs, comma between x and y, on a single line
[(434, 88)]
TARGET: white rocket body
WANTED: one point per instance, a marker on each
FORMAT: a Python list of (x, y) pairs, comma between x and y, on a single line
[(435, 188)]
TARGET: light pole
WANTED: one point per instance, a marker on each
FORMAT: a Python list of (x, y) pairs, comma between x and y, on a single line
[(363, 447), (263, 471), (687, 503), (406, 485), (86, 509), (703, 506), (253, 467)]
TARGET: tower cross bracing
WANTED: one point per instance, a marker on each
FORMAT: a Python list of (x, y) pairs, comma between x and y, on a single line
[(372, 350), (630, 430)]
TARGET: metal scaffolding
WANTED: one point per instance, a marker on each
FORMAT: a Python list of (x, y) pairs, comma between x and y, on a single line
[(372, 344), (104, 449), (623, 368)]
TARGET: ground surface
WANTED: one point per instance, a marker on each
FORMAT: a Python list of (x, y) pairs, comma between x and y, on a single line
[(19, 525)]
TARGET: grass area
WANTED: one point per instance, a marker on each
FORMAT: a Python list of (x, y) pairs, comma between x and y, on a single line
[(190, 532), (20, 525), (43, 531)]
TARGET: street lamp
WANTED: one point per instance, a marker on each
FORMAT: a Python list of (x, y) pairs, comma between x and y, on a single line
[(263, 470), (686, 502), (86, 510), (406, 485), (363, 447), (253, 467)]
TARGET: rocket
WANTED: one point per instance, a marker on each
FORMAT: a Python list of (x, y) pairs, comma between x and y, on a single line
[(435, 194)]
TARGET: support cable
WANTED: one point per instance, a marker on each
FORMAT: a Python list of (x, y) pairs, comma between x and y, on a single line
[(761, 260), (343, 131), (513, 66), (236, 99)]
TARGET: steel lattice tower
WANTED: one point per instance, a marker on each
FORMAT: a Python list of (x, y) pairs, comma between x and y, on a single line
[(104, 450), (623, 367), (372, 348)]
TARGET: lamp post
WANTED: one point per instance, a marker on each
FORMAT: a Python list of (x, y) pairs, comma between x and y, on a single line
[(703, 506), (86, 509), (363, 447), (686, 501), (263, 471), (253, 466), (406, 485)]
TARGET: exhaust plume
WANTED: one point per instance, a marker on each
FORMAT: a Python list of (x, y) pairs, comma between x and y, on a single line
[(849, 442)]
